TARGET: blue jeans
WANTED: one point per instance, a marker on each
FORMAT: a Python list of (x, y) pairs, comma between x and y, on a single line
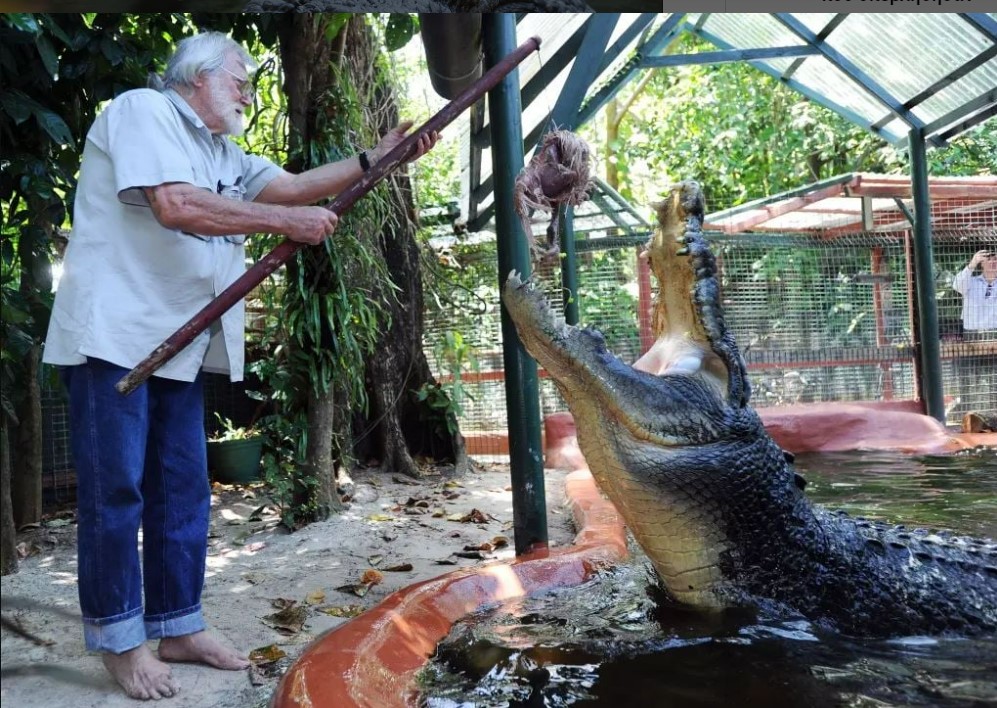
[(140, 461)]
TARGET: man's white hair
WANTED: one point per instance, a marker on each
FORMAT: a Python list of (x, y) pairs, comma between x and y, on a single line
[(202, 53)]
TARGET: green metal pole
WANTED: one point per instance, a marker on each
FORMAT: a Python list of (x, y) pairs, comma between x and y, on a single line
[(569, 266), (529, 504), (924, 270)]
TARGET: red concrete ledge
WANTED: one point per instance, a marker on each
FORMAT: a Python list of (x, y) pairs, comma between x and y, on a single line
[(371, 661), (813, 427)]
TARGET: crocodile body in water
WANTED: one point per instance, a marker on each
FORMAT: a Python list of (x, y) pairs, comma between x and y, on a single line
[(709, 496)]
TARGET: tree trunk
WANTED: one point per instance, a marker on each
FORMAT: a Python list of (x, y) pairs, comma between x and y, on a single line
[(305, 57), (8, 535), (26, 472), (398, 427), (319, 462), (402, 425), (394, 430)]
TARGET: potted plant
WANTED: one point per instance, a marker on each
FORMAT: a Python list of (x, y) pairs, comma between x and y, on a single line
[(234, 453)]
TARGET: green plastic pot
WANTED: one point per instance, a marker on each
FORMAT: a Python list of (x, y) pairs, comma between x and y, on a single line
[(235, 461)]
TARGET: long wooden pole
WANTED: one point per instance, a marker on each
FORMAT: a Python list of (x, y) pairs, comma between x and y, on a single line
[(341, 204)]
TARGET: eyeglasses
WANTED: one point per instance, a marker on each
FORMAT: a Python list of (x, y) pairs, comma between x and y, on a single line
[(244, 85)]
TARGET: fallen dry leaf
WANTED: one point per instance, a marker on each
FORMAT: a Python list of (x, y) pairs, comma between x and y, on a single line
[(380, 517), (445, 561), (290, 620), (315, 597), (341, 610), (500, 542), (26, 549), (400, 568), (254, 578), (258, 512), (473, 516), (358, 589), (375, 560), (267, 654), (474, 555)]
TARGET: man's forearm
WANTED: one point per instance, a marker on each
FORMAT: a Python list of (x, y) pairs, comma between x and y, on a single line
[(201, 212), (314, 184)]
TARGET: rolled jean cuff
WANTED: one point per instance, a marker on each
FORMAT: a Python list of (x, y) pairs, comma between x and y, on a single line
[(116, 634), (175, 624)]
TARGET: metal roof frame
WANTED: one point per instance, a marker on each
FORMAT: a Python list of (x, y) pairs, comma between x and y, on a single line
[(607, 50)]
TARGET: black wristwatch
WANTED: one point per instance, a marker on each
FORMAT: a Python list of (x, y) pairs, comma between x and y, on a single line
[(364, 162)]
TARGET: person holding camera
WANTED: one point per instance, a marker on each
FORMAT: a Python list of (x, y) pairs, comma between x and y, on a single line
[(979, 292)]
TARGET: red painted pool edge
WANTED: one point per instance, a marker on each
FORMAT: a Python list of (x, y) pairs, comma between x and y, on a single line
[(371, 661)]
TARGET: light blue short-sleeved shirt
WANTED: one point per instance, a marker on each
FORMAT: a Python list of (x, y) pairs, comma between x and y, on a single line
[(128, 282)]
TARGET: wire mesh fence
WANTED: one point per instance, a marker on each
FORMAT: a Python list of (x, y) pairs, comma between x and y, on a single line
[(821, 316)]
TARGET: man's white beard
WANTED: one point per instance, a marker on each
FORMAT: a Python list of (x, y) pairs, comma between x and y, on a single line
[(225, 108)]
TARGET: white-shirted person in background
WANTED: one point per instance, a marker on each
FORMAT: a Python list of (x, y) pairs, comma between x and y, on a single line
[(162, 206), (979, 292)]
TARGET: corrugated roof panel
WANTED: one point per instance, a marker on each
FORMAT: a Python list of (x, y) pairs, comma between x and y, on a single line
[(906, 53), (814, 21), (750, 30), (554, 30), (825, 79), (974, 84)]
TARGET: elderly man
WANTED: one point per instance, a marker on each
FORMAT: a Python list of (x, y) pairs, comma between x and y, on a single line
[(163, 203)]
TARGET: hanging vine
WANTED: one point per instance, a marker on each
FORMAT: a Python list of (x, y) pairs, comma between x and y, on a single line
[(327, 311)]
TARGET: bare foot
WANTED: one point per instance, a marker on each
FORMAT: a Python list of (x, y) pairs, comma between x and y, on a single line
[(202, 648), (141, 674)]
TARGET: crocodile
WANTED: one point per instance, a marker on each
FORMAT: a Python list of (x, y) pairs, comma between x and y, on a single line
[(712, 500)]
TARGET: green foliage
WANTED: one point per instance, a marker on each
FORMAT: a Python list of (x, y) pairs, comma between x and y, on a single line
[(400, 28), (453, 356), (604, 303), (227, 430), (743, 135), (289, 485), (326, 314)]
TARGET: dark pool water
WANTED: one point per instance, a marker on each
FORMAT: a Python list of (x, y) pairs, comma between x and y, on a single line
[(615, 642)]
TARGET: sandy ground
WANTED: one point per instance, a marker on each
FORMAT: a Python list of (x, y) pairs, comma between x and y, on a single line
[(255, 569)]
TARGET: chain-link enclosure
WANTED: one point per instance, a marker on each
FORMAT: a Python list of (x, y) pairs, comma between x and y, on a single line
[(821, 315)]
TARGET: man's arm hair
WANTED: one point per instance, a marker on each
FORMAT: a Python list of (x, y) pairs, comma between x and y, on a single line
[(182, 206)]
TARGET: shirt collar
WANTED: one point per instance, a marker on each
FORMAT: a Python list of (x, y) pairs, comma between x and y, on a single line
[(184, 108)]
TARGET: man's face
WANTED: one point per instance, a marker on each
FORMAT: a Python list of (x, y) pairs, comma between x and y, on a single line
[(229, 94), (990, 264)]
